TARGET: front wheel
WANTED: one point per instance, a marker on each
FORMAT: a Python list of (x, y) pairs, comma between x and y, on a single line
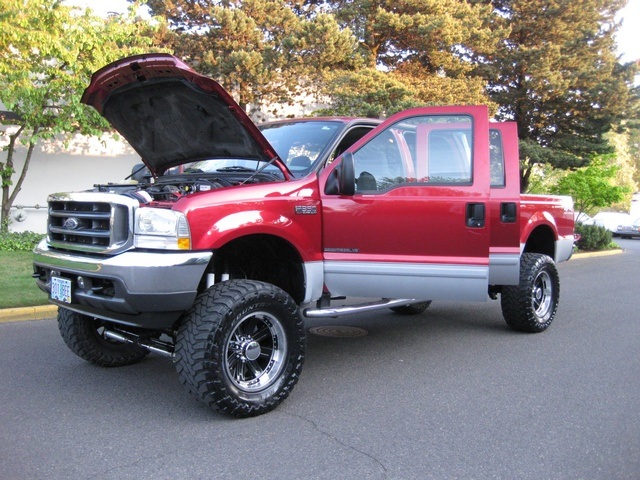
[(241, 347), (531, 306)]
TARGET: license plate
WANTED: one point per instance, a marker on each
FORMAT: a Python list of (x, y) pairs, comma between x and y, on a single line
[(61, 289)]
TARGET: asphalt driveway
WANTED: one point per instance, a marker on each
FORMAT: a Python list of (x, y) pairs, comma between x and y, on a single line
[(448, 394)]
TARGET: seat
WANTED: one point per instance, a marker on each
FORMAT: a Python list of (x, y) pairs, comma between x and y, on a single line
[(301, 161), (366, 181)]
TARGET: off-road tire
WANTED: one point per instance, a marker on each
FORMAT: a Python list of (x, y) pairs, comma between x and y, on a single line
[(412, 309), (531, 306), (82, 334), (240, 348)]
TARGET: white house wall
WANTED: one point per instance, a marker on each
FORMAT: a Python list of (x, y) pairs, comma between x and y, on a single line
[(55, 168)]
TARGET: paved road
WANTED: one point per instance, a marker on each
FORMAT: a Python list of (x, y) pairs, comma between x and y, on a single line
[(449, 394)]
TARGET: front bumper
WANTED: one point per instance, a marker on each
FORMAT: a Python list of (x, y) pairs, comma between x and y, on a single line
[(138, 288)]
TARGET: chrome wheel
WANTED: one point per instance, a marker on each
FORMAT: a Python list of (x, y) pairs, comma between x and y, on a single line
[(256, 352), (542, 297), (240, 348), (531, 306)]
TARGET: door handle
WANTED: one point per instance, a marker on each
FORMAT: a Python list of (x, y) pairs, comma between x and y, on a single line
[(475, 215), (508, 212)]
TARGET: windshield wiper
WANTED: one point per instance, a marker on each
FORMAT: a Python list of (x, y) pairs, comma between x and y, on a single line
[(251, 177), (235, 169)]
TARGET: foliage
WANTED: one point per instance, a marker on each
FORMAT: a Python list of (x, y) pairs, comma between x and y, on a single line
[(17, 287), (593, 237), (592, 187), (47, 54), (443, 36), (417, 52), (368, 92), (259, 50), (557, 75), (631, 130), (16, 242), (621, 139)]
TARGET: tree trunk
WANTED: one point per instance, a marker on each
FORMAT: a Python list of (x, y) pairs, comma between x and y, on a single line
[(8, 197)]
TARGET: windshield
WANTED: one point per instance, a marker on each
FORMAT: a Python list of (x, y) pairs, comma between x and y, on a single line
[(300, 144), (231, 165)]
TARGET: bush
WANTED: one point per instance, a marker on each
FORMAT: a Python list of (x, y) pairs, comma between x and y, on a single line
[(593, 237), (16, 242)]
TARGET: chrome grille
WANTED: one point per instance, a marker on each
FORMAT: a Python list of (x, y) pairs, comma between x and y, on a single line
[(90, 222)]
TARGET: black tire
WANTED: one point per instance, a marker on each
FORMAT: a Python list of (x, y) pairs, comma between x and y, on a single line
[(83, 336), (241, 347), (412, 309), (531, 306)]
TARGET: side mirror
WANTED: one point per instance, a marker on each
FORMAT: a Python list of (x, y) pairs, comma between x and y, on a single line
[(342, 180), (347, 176)]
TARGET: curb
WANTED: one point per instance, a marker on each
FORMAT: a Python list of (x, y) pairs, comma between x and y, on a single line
[(28, 313), (603, 253)]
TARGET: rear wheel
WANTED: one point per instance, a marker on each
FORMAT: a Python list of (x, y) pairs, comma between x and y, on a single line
[(240, 348), (84, 337), (531, 306)]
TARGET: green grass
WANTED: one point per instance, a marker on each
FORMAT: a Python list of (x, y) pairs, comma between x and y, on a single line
[(17, 288)]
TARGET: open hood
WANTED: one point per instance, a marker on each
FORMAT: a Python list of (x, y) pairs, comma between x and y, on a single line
[(172, 115)]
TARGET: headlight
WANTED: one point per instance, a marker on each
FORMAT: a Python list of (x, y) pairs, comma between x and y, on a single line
[(163, 229)]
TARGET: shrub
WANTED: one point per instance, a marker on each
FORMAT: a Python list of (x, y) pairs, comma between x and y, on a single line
[(19, 241), (593, 237)]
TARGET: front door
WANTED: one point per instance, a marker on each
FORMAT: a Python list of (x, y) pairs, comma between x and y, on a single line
[(417, 226)]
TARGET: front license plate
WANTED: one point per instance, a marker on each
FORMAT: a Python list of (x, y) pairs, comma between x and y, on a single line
[(61, 289)]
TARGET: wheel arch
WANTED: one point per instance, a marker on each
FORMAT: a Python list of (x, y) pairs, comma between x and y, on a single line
[(263, 257), (542, 239)]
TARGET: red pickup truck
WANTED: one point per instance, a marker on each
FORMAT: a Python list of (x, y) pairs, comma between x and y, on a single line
[(233, 233)]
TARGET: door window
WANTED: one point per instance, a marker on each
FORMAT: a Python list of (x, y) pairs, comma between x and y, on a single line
[(431, 150)]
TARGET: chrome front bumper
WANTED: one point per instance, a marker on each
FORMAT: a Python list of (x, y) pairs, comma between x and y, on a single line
[(139, 288)]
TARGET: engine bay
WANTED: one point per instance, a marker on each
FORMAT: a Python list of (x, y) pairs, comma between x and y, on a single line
[(170, 188)]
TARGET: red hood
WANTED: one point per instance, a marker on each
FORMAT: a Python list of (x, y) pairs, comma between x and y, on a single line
[(172, 115)]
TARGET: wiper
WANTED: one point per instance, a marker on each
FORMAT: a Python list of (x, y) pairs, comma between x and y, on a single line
[(235, 169), (260, 170)]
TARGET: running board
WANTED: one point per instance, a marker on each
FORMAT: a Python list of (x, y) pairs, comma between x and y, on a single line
[(359, 308)]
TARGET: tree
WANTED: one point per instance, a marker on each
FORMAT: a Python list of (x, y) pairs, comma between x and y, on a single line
[(592, 187), (426, 49), (558, 77), (423, 51), (367, 92), (259, 50), (47, 54)]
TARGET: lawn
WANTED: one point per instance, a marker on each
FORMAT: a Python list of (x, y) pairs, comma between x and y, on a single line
[(17, 288)]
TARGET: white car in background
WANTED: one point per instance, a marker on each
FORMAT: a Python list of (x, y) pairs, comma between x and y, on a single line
[(629, 230), (612, 220)]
